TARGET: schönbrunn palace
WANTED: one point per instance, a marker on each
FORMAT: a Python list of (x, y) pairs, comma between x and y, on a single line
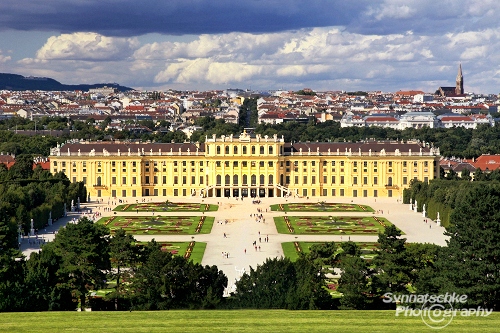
[(246, 166)]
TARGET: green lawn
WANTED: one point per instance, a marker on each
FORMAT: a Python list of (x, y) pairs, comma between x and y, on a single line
[(290, 252), (159, 225), (321, 207), (331, 225), (260, 321), (164, 207), (180, 248)]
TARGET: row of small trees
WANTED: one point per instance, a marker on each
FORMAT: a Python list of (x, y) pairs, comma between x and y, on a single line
[(27, 194)]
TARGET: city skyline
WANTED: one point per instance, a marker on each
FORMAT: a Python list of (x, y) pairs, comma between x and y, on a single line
[(202, 45)]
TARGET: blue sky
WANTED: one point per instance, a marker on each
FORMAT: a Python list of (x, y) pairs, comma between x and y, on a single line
[(386, 45)]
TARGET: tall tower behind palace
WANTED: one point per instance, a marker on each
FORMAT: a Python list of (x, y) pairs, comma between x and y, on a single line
[(459, 87)]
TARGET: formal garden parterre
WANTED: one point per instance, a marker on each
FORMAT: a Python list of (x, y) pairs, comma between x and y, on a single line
[(331, 225), (160, 225), (291, 250), (167, 206), (190, 250), (321, 206)]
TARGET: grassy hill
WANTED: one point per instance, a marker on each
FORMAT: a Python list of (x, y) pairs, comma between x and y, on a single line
[(234, 321), (19, 82)]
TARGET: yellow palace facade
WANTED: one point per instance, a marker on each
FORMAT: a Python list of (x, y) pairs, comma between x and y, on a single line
[(246, 166)]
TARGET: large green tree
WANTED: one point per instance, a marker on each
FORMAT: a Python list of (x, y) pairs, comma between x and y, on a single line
[(84, 249), (123, 258), (391, 265), (470, 264)]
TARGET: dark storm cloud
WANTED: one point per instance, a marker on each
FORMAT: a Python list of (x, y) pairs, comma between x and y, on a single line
[(129, 18)]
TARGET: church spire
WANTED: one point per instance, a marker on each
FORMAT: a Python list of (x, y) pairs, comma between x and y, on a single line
[(459, 87)]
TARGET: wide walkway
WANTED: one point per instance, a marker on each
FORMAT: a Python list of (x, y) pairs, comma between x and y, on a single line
[(235, 218)]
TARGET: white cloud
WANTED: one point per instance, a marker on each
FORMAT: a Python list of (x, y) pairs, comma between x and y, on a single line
[(86, 46), (321, 58), (4, 58)]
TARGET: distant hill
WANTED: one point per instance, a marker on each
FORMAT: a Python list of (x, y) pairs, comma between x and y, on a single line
[(19, 82)]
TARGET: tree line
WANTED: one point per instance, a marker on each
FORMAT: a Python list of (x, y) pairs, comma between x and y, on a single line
[(33, 194), (458, 142)]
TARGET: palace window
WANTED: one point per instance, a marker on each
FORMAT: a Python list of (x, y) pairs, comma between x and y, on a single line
[(227, 150), (262, 150), (244, 150)]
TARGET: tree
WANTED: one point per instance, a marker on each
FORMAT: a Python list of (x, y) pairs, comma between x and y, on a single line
[(44, 287), (12, 286), (391, 272), (281, 284), (465, 175), (23, 168), (164, 281), (123, 255), (470, 264), (84, 249), (354, 283)]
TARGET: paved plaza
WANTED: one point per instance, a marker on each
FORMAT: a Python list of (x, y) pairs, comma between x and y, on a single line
[(235, 219)]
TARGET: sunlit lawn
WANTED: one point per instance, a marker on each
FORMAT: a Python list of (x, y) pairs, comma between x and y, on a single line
[(234, 321)]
